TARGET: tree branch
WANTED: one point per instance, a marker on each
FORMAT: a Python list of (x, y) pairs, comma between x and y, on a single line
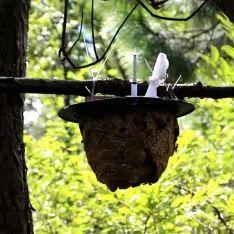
[(11, 85)]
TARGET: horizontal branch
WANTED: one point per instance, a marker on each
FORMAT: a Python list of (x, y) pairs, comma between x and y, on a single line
[(10, 85)]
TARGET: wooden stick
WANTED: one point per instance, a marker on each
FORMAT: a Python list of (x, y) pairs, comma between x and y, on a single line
[(11, 85)]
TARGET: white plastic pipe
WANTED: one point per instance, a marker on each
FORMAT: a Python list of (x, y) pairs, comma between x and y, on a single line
[(134, 81)]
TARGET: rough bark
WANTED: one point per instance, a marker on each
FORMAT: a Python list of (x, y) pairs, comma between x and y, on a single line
[(15, 211), (109, 87), (129, 149), (227, 7)]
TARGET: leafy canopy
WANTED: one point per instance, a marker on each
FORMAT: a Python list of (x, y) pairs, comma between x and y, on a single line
[(194, 195)]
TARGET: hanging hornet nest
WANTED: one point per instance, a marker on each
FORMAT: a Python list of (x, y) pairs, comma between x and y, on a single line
[(128, 140)]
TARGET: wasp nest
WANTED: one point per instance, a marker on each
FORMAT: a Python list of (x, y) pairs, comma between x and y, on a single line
[(129, 149)]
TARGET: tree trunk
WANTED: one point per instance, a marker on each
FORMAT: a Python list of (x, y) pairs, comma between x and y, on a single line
[(15, 211), (227, 7)]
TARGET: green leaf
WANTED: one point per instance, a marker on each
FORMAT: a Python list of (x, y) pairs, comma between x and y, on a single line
[(214, 54), (229, 50)]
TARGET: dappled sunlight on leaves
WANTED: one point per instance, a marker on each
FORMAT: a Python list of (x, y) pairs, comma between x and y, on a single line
[(192, 194)]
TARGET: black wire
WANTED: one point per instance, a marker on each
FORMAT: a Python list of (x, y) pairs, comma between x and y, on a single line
[(63, 46), (156, 5), (99, 59), (172, 18), (92, 28), (62, 50), (69, 60), (81, 27)]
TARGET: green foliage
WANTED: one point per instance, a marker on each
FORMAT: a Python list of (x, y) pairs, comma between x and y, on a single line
[(220, 61), (194, 195), (198, 180), (148, 37)]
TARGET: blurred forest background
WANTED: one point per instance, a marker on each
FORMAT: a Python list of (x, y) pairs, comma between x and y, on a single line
[(195, 194)]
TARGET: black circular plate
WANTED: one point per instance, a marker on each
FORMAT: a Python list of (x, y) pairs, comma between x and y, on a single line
[(121, 105)]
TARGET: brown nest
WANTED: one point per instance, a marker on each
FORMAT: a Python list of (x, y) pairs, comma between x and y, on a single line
[(129, 149)]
